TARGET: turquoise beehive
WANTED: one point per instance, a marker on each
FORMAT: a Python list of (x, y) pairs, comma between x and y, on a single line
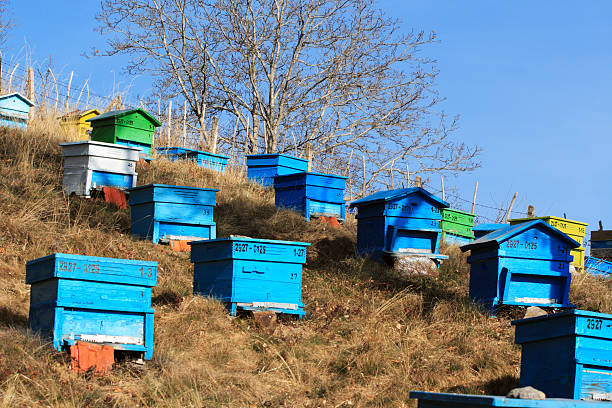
[(15, 110)]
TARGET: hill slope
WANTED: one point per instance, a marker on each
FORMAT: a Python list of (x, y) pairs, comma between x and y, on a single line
[(369, 336)]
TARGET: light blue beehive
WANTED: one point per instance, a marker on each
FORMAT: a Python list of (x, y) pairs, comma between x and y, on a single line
[(401, 222), (264, 167), (523, 265), (92, 299), (250, 274), (15, 110), (213, 161), (162, 212)]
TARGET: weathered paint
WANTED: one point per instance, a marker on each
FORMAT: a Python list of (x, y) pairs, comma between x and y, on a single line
[(94, 299), (525, 264), (162, 212), (250, 274), (212, 161), (568, 354), (130, 127), (575, 229), (601, 244), (93, 165), (598, 267), (262, 168), (444, 400), (75, 123), (311, 194), (402, 222), (15, 110)]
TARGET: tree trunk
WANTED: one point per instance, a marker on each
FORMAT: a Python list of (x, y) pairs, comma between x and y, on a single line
[(254, 135)]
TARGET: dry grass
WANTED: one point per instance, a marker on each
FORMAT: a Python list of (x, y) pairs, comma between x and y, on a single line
[(369, 336)]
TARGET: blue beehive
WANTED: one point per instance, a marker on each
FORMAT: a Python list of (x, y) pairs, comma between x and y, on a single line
[(312, 194), (264, 167), (598, 267), (203, 159), (525, 264), (442, 400), (162, 213), (481, 230), (15, 110), (567, 354), (92, 299), (402, 222), (250, 274)]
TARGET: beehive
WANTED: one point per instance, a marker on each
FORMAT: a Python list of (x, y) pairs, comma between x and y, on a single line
[(203, 159), (250, 274), (132, 127), (481, 230), (75, 123), (15, 110), (162, 213), (402, 222), (598, 267), (601, 244), (575, 229), (92, 299), (457, 226), (92, 165), (312, 194), (525, 264), (442, 400), (568, 354), (264, 167)]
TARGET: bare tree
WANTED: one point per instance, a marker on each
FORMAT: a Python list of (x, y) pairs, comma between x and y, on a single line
[(5, 21), (338, 74)]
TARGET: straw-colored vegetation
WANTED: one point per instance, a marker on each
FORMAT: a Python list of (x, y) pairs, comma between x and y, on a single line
[(369, 337)]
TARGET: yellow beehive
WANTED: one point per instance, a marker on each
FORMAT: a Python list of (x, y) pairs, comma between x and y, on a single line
[(74, 123), (575, 229)]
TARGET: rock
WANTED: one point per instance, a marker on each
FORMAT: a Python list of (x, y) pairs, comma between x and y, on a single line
[(572, 269), (415, 265), (526, 393), (534, 311)]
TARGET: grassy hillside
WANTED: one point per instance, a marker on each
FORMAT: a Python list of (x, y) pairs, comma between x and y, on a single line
[(369, 337)]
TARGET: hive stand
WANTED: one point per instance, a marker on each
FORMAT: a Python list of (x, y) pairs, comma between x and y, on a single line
[(567, 355), (131, 127), (262, 168), (442, 400), (250, 274), (521, 265), (15, 110), (203, 159), (92, 299), (399, 223)]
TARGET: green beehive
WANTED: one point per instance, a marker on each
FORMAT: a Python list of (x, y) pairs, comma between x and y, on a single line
[(132, 127), (457, 226)]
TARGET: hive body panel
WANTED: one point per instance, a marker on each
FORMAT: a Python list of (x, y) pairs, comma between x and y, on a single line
[(264, 167)]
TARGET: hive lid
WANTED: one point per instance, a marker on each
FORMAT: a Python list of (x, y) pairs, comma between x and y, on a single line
[(171, 186), (488, 227), (79, 113), (244, 238), (124, 112), (18, 95), (308, 173), (96, 143), (572, 312), (390, 195), (504, 234), (277, 155), (183, 150), (449, 400)]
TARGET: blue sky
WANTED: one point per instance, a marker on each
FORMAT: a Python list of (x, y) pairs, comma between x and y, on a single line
[(531, 81)]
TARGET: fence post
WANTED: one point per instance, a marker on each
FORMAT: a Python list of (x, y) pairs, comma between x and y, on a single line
[(68, 90), (417, 181), (474, 198), (169, 121), (442, 181), (510, 208), (185, 124)]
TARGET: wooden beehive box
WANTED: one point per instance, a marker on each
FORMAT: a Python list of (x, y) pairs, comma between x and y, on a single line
[(444, 400), (575, 229), (262, 168), (568, 354), (162, 213), (601, 244), (481, 230), (75, 123), (132, 127), (401, 222), (213, 161), (92, 299), (457, 226), (250, 274), (312, 194), (15, 110), (525, 264), (92, 165), (598, 267)]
